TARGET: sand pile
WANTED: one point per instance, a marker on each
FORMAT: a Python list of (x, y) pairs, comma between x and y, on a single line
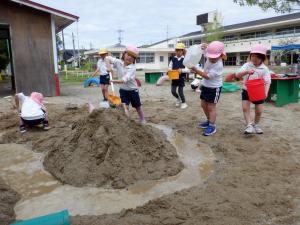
[(107, 149), (8, 199)]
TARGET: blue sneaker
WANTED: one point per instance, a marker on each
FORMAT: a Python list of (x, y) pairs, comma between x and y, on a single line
[(210, 130), (203, 124)]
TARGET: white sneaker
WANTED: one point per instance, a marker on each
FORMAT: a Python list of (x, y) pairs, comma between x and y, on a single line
[(249, 129), (178, 103), (257, 129), (183, 106)]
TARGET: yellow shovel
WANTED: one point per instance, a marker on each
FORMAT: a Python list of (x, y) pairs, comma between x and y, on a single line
[(113, 99)]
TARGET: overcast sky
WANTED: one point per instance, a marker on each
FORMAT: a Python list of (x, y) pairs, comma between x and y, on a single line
[(144, 22)]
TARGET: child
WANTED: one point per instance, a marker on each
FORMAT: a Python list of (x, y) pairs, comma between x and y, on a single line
[(211, 85), (32, 110), (196, 84), (126, 70), (104, 68), (176, 63), (252, 70)]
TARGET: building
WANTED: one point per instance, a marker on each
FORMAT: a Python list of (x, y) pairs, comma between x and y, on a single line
[(153, 57), (238, 38), (30, 30)]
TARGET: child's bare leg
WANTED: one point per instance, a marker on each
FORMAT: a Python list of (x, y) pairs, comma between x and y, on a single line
[(102, 86), (141, 114), (258, 112), (126, 109), (204, 107), (106, 91), (246, 111), (212, 112)]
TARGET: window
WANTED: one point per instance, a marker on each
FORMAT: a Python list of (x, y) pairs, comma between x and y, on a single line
[(161, 58), (171, 46), (244, 57), (197, 41), (263, 34), (247, 35), (145, 57), (231, 60), (230, 38), (285, 31), (116, 55)]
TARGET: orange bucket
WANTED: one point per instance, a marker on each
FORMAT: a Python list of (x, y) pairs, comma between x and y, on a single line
[(256, 89), (173, 74)]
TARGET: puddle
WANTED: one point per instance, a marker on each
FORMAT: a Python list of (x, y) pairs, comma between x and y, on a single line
[(41, 194)]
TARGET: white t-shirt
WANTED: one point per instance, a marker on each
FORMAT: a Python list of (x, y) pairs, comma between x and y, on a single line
[(260, 71), (102, 66), (125, 73), (214, 71), (196, 82), (30, 110)]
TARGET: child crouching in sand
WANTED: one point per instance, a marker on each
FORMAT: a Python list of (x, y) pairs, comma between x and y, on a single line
[(32, 111)]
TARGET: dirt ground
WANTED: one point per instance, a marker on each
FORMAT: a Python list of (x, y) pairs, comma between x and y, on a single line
[(8, 199), (256, 178)]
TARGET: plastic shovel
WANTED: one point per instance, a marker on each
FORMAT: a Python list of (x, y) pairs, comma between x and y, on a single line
[(112, 98)]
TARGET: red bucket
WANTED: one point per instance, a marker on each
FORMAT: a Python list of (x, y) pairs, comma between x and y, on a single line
[(256, 89)]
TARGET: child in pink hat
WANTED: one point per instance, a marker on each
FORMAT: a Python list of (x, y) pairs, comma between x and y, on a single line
[(32, 111), (255, 68), (211, 84), (129, 88)]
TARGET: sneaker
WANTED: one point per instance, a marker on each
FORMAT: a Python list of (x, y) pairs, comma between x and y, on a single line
[(203, 124), (46, 126), (183, 106), (178, 103), (209, 130), (249, 129), (257, 129), (22, 129)]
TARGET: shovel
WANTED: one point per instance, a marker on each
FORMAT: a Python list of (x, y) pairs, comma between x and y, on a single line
[(113, 99)]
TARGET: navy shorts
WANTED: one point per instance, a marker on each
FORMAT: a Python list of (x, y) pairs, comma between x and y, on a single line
[(180, 82), (245, 97), (34, 122), (132, 97), (211, 95), (104, 79)]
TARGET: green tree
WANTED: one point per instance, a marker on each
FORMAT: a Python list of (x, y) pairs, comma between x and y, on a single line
[(281, 6), (213, 31)]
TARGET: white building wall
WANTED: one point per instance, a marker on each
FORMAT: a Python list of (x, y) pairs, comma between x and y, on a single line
[(166, 44), (157, 65)]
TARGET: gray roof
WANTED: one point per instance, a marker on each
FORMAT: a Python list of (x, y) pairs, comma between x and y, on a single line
[(156, 43), (253, 23)]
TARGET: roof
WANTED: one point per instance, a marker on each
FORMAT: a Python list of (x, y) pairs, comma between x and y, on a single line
[(159, 42), (254, 23), (62, 19)]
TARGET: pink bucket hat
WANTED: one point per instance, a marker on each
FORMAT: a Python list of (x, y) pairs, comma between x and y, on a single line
[(259, 48), (215, 49), (132, 50), (37, 97)]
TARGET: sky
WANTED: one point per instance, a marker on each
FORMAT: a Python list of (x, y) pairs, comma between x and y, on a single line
[(144, 22)]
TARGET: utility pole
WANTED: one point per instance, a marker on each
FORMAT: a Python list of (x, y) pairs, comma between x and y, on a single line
[(78, 45), (64, 47), (120, 31), (74, 53)]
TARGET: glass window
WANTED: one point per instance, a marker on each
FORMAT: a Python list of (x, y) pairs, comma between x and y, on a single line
[(244, 57), (231, 59), (171, 46), (161, 58), (284, 31), (145, 57), (247, 35)]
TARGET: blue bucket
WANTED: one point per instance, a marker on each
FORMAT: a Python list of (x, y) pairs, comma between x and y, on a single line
[(60, 218)]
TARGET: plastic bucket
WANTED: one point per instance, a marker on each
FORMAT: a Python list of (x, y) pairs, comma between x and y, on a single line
[(173, 74), (256, 89), (60, 218)]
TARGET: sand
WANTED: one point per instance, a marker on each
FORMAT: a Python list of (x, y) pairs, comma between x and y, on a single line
[(8, 199), (256, 178)]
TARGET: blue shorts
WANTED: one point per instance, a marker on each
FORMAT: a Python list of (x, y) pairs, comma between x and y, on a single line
[(245, 97), (104, 79), (132, 97), (210, 95)]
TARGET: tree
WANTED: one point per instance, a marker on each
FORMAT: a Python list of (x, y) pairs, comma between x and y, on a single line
[(280, 6), (213, 31)]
